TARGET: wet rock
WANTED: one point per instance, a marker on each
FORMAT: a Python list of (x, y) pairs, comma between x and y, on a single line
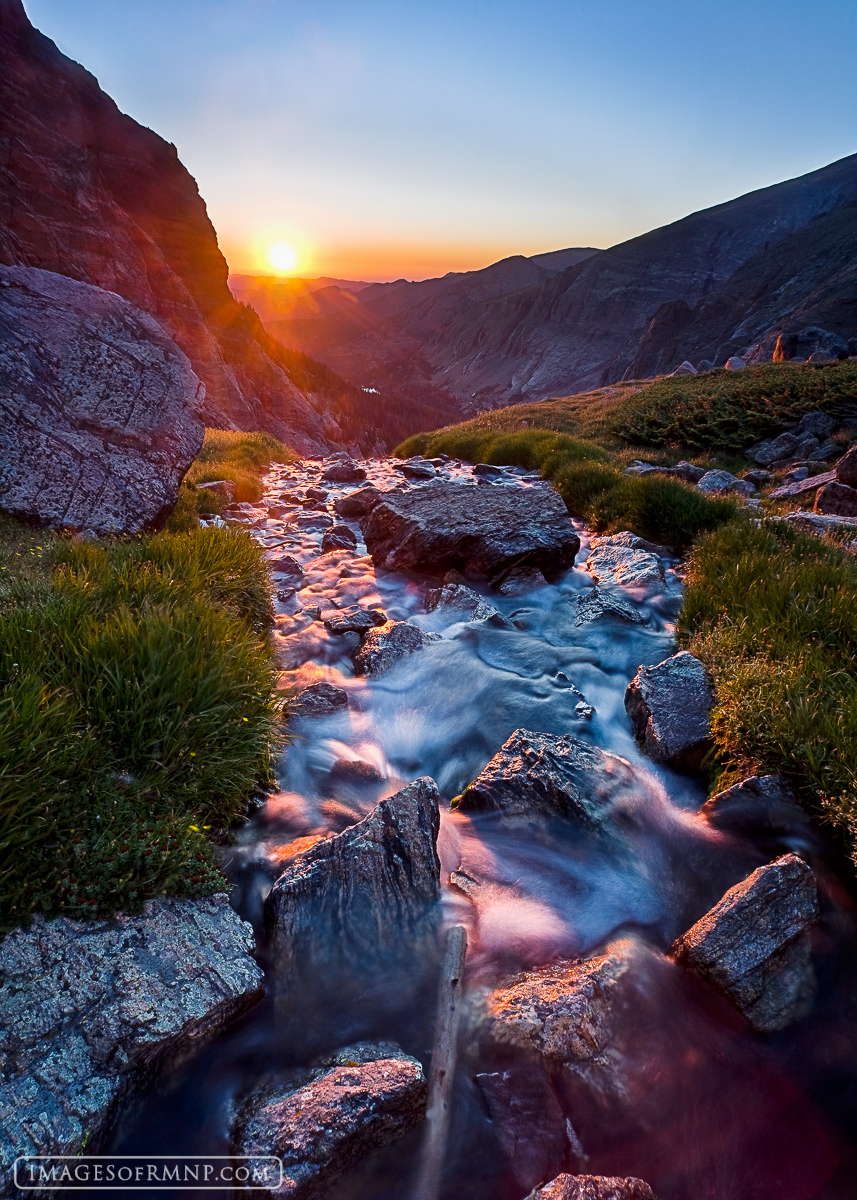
[(100, 408), (754, 945), (529, 1121), (388, 644), (669, 707), (620, 566), (345, 471), (286, 565), (520, 581), (836, 499), (720, 483), (761, 806), (846, 468), (484, 533), (358, 902), (354, 771), (355, 619), (418, 470), (317, 493), (331, 1118), (457, 597), (357, 504), (548, 775), (597, 604), (630, 541), (487, 470), (319, 700), (594, 1187), (340, 537), (89, 1007)]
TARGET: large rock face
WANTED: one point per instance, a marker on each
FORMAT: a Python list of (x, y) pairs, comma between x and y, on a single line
[(482, 532), (549, 774), (332, 1117), (754, 945), (350, 905), (87, 192), (99, 409), (84, 1004), (669, 707)]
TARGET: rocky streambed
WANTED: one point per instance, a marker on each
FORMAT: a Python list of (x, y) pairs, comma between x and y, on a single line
[(492, 729)]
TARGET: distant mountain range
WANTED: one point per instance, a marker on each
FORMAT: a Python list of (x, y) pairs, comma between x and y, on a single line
[(724, 281)]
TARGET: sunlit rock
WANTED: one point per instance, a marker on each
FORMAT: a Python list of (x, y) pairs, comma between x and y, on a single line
[(387, 645), (593, 1187), (319, 700), (355, 619), (755, 947), (328, 1119), (669, 706), (622, 566), (484, 533)]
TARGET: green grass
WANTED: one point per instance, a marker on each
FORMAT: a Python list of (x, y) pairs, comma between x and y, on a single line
[(241, 458), (663, 510), (773, 614), (138, 708), (730, 410)]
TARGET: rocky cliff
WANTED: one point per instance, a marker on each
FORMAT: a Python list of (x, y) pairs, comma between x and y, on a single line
[(87, 192)]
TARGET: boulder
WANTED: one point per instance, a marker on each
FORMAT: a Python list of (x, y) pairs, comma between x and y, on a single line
[(344, 471), (758, 476), (487, 470), (685, 368), (761, 806), (620, 566), (754, 945), (720, 483), (484, 533), (457, 597), (703, 367), (799, 486), (319, 700), (593, 1187), (389, 644), (669, 706), (317, 493), (357, 504), (348, 907), (786, 447), (521, 580), (355, 619), (829, 449), (528, 1119), (89, 1007), (812, 340), (339, 537), (735, 363), (816, 422), (329, 1119), (836, 499), (597, 604), (99, 407), (549, 775), (846, 468), (818, 523), (418, 470)]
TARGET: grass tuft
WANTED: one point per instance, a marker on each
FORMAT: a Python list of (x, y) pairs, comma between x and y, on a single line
[(240, 458)]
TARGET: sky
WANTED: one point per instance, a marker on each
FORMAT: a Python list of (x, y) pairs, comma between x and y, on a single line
[(375, 139)]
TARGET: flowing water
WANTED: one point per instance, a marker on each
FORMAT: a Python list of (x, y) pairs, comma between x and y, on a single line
[(718, 1112)]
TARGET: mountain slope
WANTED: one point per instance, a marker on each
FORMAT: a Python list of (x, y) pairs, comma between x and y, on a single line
[(87, 192)]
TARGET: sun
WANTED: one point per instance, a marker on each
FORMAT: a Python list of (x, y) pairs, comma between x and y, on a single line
[(282, 256)]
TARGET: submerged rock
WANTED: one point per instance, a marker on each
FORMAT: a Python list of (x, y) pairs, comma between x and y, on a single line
[(593, 1187), (484, 533), (388, 644), (669, 707), (100, 408), (754, 945), (319, 700), (332, 1117), (549, 775), (456, 597), (521, 580), (622, 566), (351, 905), (89, 1006), (529, 1120)]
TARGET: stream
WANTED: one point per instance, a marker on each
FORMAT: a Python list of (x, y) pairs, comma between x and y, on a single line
[(722, 1114)]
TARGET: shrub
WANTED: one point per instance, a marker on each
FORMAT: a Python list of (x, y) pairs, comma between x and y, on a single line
[(138, 706), (773, 613)]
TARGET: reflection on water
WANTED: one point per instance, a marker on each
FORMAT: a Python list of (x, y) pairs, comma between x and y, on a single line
[(716, 1112)]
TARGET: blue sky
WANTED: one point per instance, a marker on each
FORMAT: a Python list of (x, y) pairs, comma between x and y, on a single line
[(383, 138)]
